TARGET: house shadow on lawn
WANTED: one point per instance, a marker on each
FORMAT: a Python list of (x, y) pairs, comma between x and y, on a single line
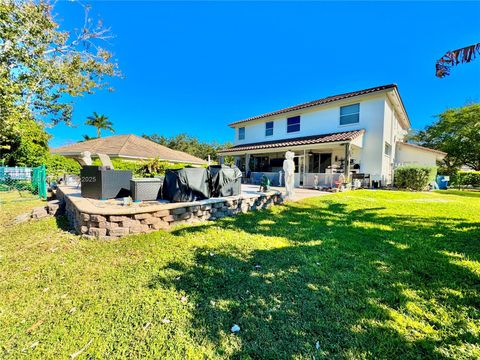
[(353, 284)]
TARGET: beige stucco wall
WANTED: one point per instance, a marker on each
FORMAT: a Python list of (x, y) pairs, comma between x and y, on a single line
[(407, 155)]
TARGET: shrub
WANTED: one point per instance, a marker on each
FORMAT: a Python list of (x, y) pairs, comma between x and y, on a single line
[(20, 185), (157, 167), (57, 165), (145, 168), (118, 164), (466, 178), (414, 178)]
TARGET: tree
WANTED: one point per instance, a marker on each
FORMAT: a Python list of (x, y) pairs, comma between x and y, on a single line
[(87, 137), (456, 132), (455, 57), (43, 67), (189, 144), (28, 146), (101, 122)]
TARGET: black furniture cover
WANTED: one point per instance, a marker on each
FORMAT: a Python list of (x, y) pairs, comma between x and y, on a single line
[(225, 180), (188, 184), (98, 182)]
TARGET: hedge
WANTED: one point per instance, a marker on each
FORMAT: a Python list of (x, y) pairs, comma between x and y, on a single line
[(145, 168), (414, 178), (57, 165), (466, 178)]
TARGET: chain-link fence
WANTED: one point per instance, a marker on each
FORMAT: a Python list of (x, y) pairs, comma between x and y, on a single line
[(25, 181)]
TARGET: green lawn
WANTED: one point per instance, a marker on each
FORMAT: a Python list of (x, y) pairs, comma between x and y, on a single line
[(363, 274)]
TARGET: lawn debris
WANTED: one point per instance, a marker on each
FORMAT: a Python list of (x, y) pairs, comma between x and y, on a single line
[(79, 352), (183, 299), (22, 218), (317, 345), (235, 328), (34, 326), (147, 325), (166, 321), (34, 344), (72, 310)]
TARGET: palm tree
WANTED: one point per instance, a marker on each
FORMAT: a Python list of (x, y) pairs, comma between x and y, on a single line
[(87, 137), (455, 57), (100, 122)]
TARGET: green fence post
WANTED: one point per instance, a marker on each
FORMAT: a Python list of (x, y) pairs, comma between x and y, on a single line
[(42, 186), (34, 179)]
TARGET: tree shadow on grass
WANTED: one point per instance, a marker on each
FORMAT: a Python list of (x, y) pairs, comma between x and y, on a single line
[(360, 283)]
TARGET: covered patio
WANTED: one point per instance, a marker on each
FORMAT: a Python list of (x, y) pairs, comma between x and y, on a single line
[(319, 160)]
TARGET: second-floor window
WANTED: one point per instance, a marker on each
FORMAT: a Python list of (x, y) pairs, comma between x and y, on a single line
[(350, 114), (241, 133), (293, 124), (269, 128), (388, 149)]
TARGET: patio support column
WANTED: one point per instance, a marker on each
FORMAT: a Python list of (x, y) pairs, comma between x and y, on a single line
[(346, 170), (221, 160), (247, 163), (304, 181), (237, 161)]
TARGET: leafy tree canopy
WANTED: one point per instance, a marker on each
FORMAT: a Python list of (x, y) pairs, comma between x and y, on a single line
[(42, 67), (28, 146), (457, 132), (189, 144)]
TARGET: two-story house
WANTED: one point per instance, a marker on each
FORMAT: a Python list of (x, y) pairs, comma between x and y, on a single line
[(360, 134)]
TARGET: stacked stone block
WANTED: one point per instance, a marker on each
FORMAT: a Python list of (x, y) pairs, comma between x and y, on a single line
[(115, 226)]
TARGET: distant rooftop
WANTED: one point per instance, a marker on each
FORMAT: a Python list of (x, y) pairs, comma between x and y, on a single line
[(127, 146)]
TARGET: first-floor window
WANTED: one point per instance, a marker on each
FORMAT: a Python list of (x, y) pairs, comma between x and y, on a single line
[(388, 149), (241, 133)]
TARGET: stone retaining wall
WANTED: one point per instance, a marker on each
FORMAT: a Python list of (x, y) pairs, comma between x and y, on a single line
[(112, 226)]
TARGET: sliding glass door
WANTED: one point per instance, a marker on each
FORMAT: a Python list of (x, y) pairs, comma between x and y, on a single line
[(319, 162)]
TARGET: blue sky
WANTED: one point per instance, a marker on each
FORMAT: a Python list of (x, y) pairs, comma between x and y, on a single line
[(194, 67)]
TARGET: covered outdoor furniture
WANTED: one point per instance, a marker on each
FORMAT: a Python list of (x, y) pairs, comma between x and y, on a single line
[(363, 178), (100, 182), (188, 184), (225, 180), (146, 189)]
